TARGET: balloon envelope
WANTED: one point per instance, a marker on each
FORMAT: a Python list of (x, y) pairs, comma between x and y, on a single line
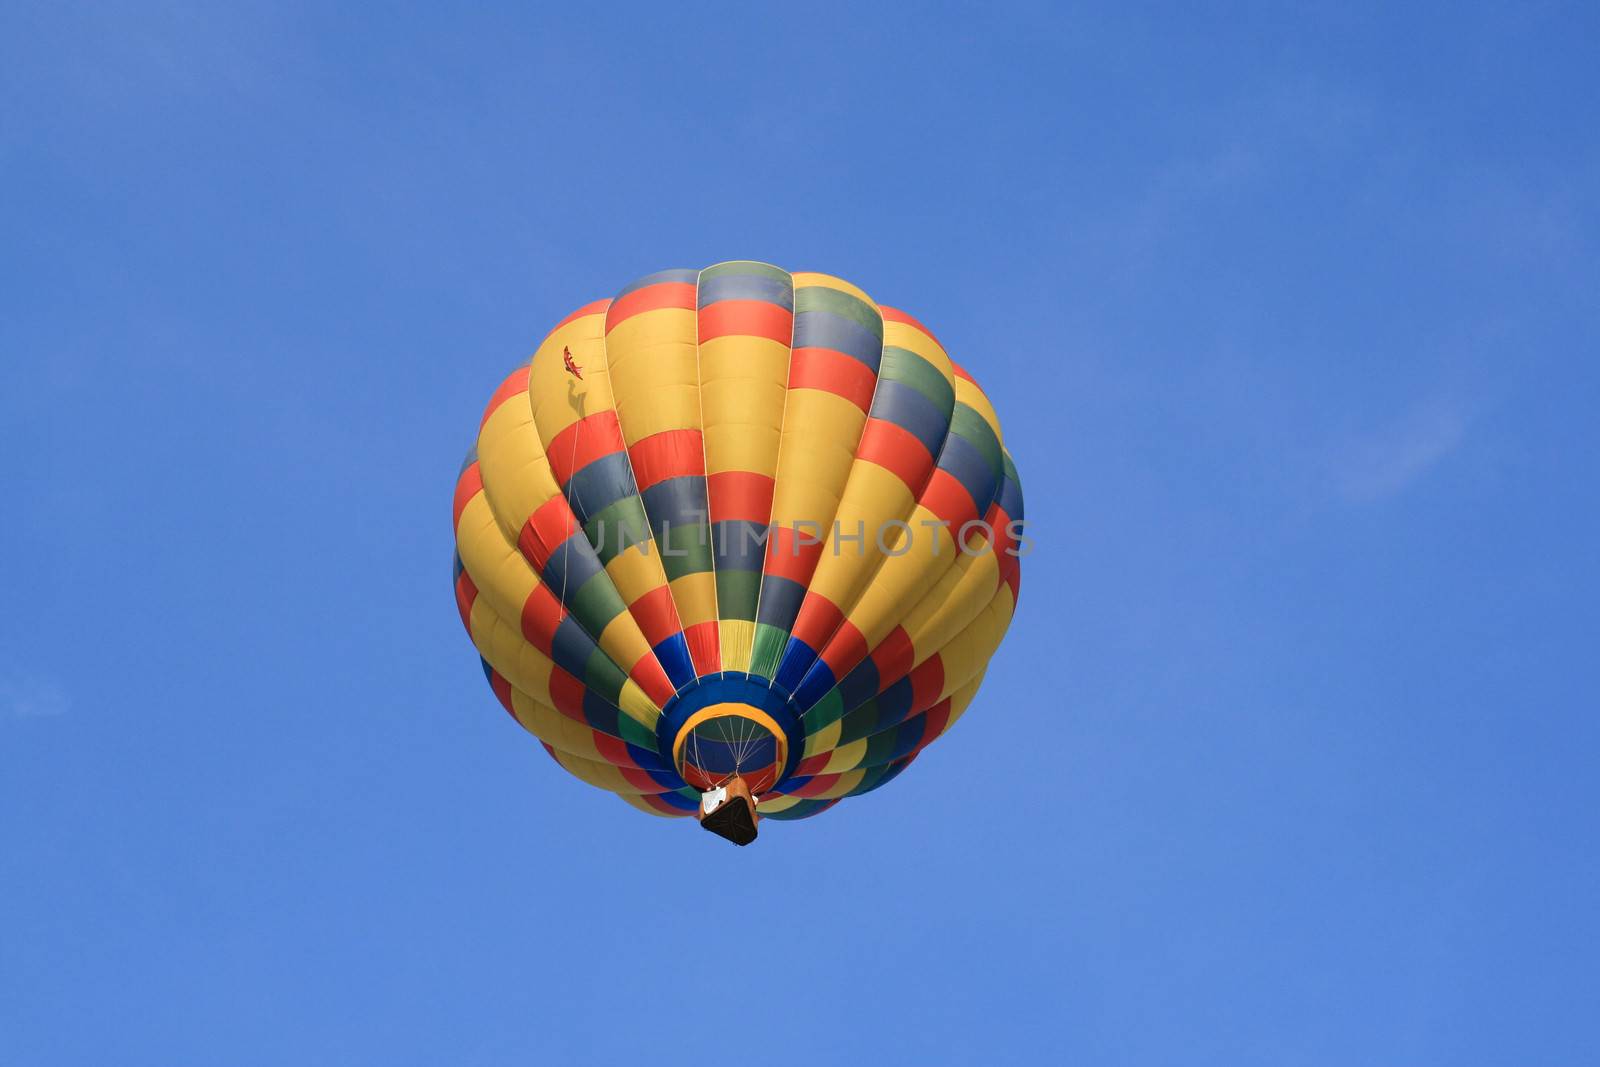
[(737, 520)]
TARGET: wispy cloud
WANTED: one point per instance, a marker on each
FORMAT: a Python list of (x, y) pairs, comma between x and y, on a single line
[(1389, 459), (32, 698), (1237, 147)]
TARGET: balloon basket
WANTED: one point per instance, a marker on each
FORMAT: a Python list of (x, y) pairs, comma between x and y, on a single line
[(729, 811)]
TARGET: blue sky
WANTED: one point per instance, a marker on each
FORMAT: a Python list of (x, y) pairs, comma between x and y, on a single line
[(1290, 315)]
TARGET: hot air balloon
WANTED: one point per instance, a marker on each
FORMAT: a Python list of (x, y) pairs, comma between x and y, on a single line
[(737, 543)]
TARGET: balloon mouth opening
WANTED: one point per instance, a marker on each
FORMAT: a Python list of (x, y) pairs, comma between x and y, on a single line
[(731, 724), (724, 741)]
